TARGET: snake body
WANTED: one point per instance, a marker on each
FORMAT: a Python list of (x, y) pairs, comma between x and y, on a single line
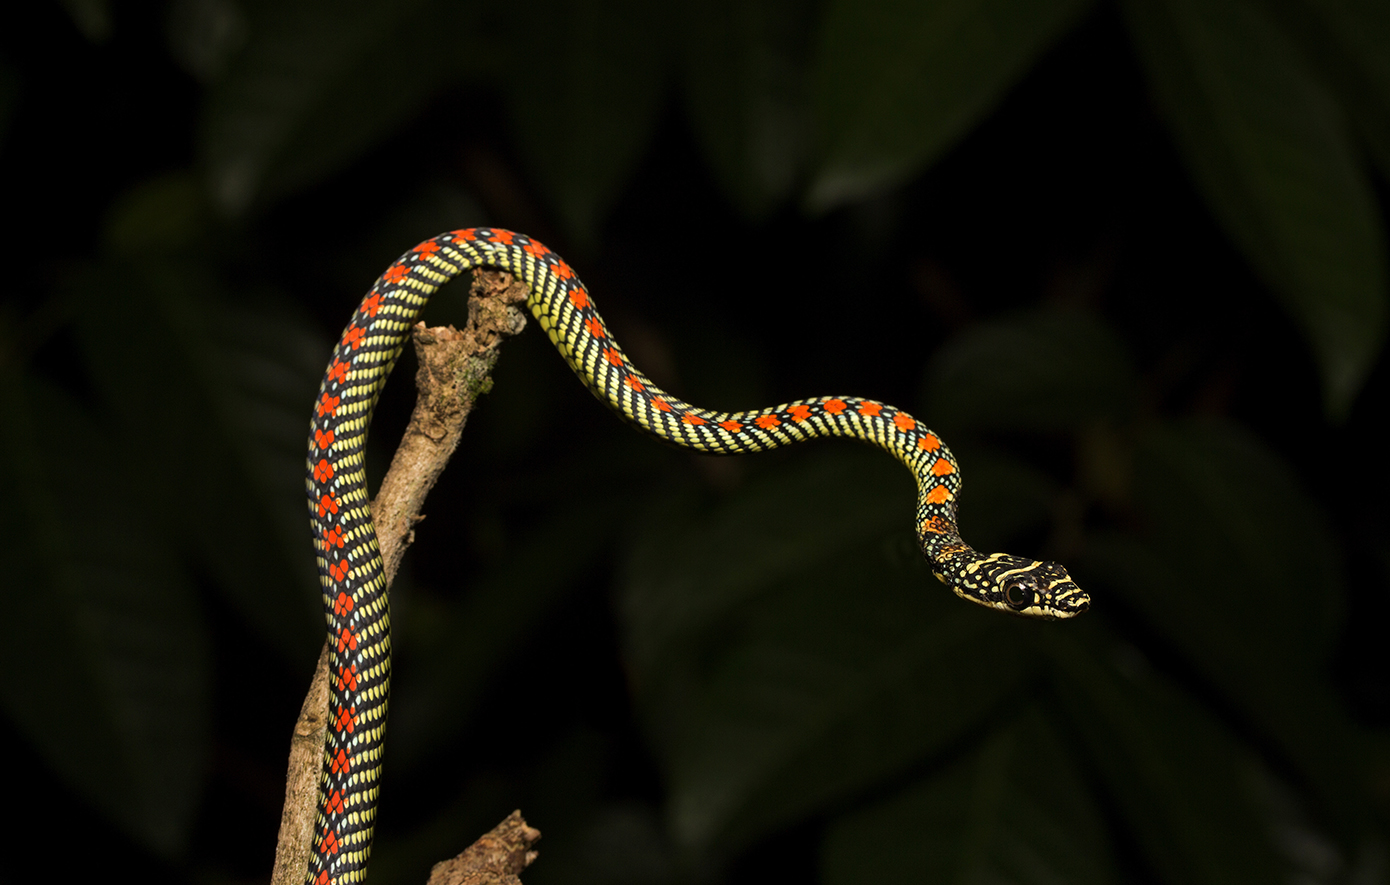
[(350, 565)]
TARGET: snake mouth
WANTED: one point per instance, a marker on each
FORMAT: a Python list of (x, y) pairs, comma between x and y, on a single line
[(1071, 602)]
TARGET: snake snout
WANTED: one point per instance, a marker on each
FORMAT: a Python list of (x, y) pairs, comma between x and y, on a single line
[(1070, 600), (1062, 598)]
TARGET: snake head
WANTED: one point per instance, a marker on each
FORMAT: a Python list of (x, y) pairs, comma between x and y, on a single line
[(1019, 586), (1039, 590)]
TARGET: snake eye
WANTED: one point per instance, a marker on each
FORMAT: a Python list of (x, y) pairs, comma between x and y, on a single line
[(1018, 595)]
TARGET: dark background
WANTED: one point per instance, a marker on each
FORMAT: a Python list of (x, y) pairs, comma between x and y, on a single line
[(1129, 259)]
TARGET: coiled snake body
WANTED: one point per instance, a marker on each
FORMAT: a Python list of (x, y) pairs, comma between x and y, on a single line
[(350, 566)]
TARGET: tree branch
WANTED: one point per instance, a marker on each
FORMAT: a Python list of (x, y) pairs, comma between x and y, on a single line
[(495, 859), (455, 369)]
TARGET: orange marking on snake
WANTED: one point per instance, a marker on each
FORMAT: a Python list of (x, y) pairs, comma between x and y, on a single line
[(731, 426), (323, 471), (502, 236), (595, 327), (329, 842), (323, 439), (937, 526), (563, 271), (343, 604), (341, 764), (346, 719), (834, 406), (427, 248), (613, 356), (942, 467), (346, 639), (904, 421), (766, 421), (333, 538), (338, 371), (327, 504), (939, 495), (631, 381), (579, 298), (329, 405), (335, 803), (372, 304), (929, 443), (323, 878), (347, 677), (870, 409), (354, 336), (800, 413), (339, 570), (695, 420), (661, 404), (395, 273), (535, 249)]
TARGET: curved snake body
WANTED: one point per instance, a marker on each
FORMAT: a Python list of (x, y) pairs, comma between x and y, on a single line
[(350, 566)]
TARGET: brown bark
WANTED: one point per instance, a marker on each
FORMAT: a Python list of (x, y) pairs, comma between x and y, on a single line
[(495, 859), (455, 369)]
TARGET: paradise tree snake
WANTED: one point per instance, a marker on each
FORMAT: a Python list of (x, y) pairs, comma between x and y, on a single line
[(350, 566)]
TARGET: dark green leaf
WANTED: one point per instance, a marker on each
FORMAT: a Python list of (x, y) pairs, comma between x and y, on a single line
[(1363, 28), (584, 87), (1267, 144), (105, 658), (161, 215), (1229, 532), (263, 365), (1237, 568), (316, 85), (431, 703), (203, 34), (899, 82), (1046, 370), (791, 646), (745, 76), (92, 18), (210, 404), (1014, 810), (1192, 796), (1347, 39)]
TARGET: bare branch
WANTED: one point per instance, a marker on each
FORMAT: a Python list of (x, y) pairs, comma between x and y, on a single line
[(455, 369), (495, 859), (302, 782)]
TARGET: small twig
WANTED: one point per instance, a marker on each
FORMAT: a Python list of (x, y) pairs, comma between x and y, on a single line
[(455, 369), (495, 859)]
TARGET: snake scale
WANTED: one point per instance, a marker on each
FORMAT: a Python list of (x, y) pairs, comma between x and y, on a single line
[(350, 566)]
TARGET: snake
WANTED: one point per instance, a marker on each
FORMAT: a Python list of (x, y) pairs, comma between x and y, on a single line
[(351, 571)]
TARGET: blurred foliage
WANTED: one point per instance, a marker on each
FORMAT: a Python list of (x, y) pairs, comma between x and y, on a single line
[(1128, 258)]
